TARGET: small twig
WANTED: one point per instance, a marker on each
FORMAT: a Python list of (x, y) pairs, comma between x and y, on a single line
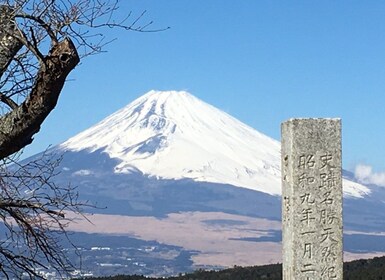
[(8, 101), (42, 23)]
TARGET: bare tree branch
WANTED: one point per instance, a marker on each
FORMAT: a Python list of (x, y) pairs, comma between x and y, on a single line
[(41, 42), (32, 210), (9, 45), (42, 23), (18, 126), (7, 100)]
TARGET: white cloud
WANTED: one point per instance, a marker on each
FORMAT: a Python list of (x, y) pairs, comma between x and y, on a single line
[(364, 174), (83, 172)]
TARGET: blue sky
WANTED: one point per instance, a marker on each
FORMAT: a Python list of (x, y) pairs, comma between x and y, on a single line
[(261, 61)]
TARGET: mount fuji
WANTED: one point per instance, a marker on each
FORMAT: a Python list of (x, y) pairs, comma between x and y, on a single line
[(173, 169), (174, 135)]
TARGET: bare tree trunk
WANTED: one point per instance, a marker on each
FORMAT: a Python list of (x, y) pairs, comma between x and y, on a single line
[(19, 125), (9, 45)]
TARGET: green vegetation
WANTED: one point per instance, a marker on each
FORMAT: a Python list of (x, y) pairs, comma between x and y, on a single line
[(365, 269), (372, 269)]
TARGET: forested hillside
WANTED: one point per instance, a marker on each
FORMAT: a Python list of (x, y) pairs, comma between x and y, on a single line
[(371, 269)]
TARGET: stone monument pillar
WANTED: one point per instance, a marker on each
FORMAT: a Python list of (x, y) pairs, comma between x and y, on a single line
[(312, 199)]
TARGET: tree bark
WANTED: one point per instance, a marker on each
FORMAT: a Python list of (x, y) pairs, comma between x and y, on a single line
[(19, 125), (9, 45)]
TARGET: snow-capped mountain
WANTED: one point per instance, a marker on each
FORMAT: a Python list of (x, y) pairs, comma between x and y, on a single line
[(174, 135), (172, 169)]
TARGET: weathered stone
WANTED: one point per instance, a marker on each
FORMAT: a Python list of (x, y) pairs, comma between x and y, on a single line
[(312, 199)]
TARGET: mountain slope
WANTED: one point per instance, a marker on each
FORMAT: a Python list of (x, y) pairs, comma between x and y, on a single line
[(172, 169), (174, 135)]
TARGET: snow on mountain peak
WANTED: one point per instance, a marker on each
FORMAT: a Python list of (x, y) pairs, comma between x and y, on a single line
[(174, 135)]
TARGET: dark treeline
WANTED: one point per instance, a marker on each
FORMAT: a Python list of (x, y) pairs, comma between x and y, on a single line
[(371, 269)]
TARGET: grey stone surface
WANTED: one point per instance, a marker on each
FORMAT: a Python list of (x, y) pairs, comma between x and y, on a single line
[(312, 199)]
